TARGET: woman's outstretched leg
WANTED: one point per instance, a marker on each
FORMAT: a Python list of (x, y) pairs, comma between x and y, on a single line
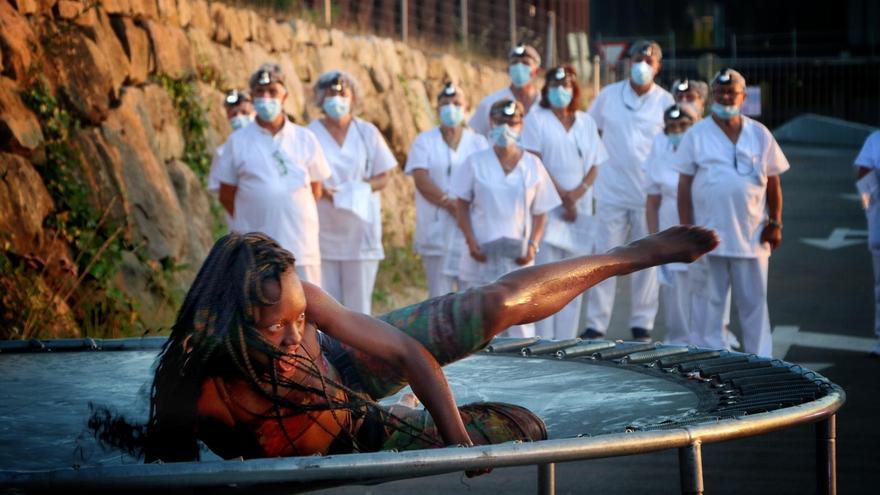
[(534, 293)]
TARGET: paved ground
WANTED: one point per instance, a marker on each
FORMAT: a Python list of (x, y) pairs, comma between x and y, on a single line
[(821, 309)]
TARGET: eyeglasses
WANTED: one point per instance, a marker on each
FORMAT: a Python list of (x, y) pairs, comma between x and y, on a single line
[(281, 162)]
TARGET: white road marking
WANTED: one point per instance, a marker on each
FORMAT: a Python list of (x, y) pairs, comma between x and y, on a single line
[(839, 238), (785, 336), (851, 197)]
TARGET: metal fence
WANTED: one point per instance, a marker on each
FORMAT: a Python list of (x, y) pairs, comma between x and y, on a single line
[(846, 88)]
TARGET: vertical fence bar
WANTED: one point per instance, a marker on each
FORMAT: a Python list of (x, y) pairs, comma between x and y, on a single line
[(550, 45), (512, 8), (547, 479), (826, 456), (404, 20), (328, 13), (464, 23), (690, 468)]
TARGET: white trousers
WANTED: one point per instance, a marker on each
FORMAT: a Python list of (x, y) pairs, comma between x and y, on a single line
[(676, 301), (439, 284), (564, 324), (876, 257), (527, 330), (351, 282), (613, 224), (746, 278), (309, 273)]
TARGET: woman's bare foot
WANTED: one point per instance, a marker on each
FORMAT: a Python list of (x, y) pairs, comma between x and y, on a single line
[(683, 243)]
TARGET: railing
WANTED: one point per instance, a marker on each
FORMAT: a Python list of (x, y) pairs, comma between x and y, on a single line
[(846, 88)]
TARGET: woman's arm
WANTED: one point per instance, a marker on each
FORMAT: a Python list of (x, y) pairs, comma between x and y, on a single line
[(317, 190), (463, 217), (652, 212), (429, 190), (378, 181), (379, 339), (538, 223), (685, 202), (227, 197)]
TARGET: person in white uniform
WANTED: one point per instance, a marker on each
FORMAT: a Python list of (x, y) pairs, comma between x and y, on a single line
[(503, 196), (433, 159), (867, 165), (629, 115), (568, 143), (523, 63), (240, 112), (729, 181), (351, 215), (270, 174), (661, 212), (689, 92)]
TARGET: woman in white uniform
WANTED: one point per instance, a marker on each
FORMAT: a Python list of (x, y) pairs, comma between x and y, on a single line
[(661, 212), (567, 141), (503, 196), (433, 160), (350, 215)]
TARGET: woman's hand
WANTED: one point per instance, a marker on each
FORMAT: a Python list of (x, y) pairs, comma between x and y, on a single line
[(772, 234), (569, 213), (530, 254), (474, 250)]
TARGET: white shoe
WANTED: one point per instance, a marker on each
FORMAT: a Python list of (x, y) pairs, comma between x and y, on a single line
[(730, 340)]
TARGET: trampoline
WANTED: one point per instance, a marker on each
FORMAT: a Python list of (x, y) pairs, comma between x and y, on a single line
[(598, 399)]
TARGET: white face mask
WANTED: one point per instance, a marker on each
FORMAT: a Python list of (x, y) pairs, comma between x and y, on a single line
[(240, 121), (641, 73)]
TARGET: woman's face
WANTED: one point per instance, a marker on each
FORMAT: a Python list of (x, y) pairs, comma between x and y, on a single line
[(677, 126), (457, 99), (283, 324), (515, 122)]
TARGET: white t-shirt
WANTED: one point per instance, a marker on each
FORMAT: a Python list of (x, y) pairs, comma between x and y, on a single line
[(869, 156), (435, 227), (363, 154), (731, 197), (629, 123), (479, 121), (273, 175), (501, 205)]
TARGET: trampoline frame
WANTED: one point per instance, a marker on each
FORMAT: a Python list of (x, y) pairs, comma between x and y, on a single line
[(389, 466)]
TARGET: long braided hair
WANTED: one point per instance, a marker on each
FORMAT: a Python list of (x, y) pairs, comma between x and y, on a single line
[(215, 327)]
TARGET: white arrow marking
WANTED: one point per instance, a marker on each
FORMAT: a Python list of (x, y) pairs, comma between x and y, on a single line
[(838, 239), (784, 336), (851, 197)]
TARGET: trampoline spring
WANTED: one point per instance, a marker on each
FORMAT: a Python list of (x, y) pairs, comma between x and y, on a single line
[(761, 388), (646, 356), (693, 365), (715, 370), (548, 347), (619, 352), (780, 395), (670, 361), (751, 372), (750, 380), (765, 405), (586, 348), (512, 345)]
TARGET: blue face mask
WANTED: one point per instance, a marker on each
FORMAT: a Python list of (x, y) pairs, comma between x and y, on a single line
[(675, 138), (267, 108), (724, 112), (641, 73), (451, 115), (520, 74), (336, 106), (559, 96), (240, 121), (503, 135)]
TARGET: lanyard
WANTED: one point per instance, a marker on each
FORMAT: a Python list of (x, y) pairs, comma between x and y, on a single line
[(627, 105)]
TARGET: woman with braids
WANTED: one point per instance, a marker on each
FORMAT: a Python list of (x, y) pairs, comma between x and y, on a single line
[(246, 371)]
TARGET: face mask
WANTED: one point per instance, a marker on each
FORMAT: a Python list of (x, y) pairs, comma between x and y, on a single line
[(336, 106), (725, 112), (503, 135), (267, 108), (559, 96), (641, 73), (675, 138), (520, 74), (451, 115), (240, 121)]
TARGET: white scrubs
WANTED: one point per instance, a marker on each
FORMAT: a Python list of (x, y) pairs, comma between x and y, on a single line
[(214, 185), (629, 123), (729, 195), (501, 206), (568, 156), (479, 121), (438, 238), (869, 157), (661, 179), (351, 239), (273, 176)]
